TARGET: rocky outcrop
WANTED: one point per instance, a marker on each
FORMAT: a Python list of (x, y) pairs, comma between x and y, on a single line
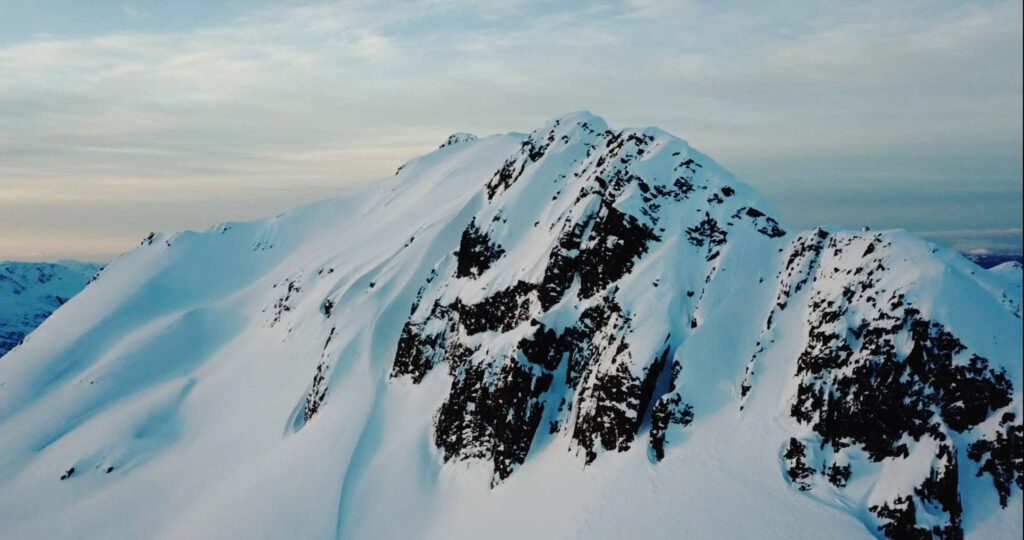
[(564, 333)]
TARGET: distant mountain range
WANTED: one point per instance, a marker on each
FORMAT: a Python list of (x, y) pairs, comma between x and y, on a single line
[(30, 292), (989, 260)]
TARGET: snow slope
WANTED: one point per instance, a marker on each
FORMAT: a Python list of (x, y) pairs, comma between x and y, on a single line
[(30, 292), (580, 332)]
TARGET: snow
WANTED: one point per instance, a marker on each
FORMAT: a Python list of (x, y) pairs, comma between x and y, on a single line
[(186, 367)]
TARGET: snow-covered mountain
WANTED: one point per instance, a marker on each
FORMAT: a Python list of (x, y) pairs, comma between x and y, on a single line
[(30, 292), (580, 332)]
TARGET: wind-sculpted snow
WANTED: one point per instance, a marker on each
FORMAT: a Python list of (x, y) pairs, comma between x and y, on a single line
[(582, 332)]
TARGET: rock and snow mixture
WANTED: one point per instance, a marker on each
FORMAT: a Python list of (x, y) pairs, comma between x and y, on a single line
[(580, 332)]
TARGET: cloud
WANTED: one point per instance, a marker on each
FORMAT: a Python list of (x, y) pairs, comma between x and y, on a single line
[(133, 12), (321, 96), (980, 241)]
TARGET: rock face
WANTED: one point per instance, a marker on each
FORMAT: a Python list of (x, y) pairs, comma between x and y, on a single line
[(875, 377), (456, 138), (580, 310), (562, 320), (30, 292)]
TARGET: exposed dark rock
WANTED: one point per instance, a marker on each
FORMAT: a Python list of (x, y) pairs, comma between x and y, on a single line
[(668, 410), (502, 311), (938, 494), (1002, 457), (562, 267), (940, 490), (856, 387), (617, 240), (491, 415), (846, 408), (599, 328), (476, 252), (317, 392), (706, 232), (284, 303), (900, 517), (327, 307), (613, 244), (419, 350), (531, 150), (839, 475), (796, 465), (544, 347), (609, 411), (457, 138), (874, 373)]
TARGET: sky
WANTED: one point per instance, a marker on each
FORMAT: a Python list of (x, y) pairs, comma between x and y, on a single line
[(118, 118)]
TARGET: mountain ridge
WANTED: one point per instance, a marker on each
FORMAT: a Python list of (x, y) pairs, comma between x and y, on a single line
[(526, 324)]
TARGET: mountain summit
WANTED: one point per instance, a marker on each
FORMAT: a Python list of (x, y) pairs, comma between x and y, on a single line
[(580, 332)]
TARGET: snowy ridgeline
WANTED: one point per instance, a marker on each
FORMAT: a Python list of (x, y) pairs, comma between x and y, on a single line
[(581, 332), (30, 292)]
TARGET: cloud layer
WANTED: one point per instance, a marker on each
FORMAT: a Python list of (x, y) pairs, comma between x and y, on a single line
[(106, 134)]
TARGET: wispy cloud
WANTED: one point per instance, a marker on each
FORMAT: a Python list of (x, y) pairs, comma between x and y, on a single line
[(1007, 240), (336, 94), (134, 12)]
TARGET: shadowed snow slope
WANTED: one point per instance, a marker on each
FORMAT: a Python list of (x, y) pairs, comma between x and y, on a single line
[(580, 332)]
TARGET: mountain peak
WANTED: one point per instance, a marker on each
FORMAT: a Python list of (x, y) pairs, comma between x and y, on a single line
[(523, 325), (457, 138)]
